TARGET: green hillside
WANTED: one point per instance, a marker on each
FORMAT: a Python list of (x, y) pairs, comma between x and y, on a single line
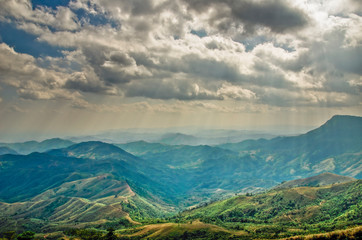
[(328, 212), (90, 202), (286, 212), (278, 213)]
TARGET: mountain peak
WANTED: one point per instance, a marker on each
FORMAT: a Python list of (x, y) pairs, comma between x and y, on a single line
[(55, 140), (94, 150), (345, 117), (355, 121), (340, 128)]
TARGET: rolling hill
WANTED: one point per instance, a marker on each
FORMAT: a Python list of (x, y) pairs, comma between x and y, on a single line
[(87, 202), (25, 176), (328, 212), (284, 212), (316, 181)]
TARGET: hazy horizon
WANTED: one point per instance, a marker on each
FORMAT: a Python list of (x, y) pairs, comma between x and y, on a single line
[(13, 137)]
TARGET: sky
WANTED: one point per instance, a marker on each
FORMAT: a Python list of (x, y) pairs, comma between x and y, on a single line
[(71, 67)]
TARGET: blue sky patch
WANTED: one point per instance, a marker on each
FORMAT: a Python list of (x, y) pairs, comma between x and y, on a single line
[(251, 43), (24, 42), (50, 3), (201, 33)]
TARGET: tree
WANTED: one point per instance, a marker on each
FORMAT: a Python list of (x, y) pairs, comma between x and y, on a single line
[(28, 235), (9, 235), (110, 235)]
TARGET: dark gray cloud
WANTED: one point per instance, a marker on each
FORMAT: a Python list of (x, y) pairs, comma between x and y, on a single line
[(209, 68), (96, 57), (276, 15), (347, 59), (210, 72), (142, 7), (143, 59), (88, 83), (121, 58), (192, 64), (111, 67)]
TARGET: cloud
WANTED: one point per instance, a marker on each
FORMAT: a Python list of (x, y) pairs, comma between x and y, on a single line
[(236, 92), (30, 80), (348, 59), (138, 107), (277, 15), (299, 53), (62, 18), (19, 69), (181, 89), (88, 82), (121, 58)]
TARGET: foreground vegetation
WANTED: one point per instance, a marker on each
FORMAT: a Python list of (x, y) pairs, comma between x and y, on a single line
[(328, 212), (170, 231)]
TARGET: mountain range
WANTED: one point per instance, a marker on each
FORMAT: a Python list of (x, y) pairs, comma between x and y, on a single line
[(50, 185), (34, 146), (171, 136)]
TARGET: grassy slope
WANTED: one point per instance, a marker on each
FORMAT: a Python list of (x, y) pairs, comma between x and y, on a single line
[(84, 203), (287, 211), (191, 230), (297, 213), (276, 204)]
